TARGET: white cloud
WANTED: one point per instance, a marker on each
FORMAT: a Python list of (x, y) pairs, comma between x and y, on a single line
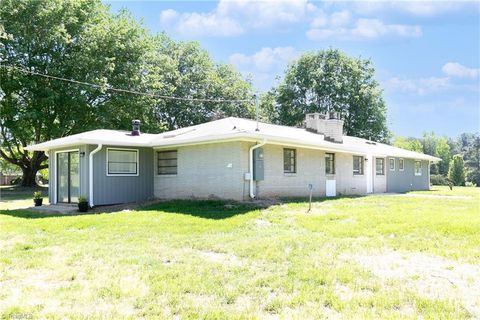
[(265, 64), (339, 18), (419, 86), (455, 69), (232, 18), (266, 59), (365, 29), (413, 7)]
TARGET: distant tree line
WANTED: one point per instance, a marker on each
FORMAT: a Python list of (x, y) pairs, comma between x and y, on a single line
[(460, 156)]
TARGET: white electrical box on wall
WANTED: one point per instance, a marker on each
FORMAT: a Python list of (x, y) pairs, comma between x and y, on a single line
[(248, 176)]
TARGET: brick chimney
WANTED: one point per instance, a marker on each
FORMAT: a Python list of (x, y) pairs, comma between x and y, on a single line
[(331, 127)]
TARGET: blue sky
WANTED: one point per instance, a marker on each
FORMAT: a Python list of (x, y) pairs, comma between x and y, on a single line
[(427, 54)]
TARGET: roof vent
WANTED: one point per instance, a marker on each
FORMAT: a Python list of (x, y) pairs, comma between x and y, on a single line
[(135, 127)]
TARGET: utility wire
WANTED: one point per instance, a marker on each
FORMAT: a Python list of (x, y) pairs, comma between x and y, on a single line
[(93, 85)]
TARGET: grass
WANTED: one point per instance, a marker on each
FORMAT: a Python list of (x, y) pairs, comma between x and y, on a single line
[(15, 197), (456, 191), (217, 260)]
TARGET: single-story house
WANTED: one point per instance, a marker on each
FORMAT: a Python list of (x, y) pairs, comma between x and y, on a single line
[(231, 158)]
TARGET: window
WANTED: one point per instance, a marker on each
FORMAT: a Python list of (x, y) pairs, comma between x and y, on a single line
[(122, 162), (167, 162), (289, 161), (392, 164), (380, 166), (357, 165), (330, 163), (418, 168), (401, 164)]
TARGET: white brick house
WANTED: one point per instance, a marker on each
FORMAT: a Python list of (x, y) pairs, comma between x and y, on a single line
[(229, 159)]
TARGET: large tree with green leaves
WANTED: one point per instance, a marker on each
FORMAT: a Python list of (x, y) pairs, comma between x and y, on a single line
[(184, 69), (73, 39), (331, 80), (82, 40)]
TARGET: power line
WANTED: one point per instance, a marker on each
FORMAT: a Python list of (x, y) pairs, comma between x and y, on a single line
[(93, 85)]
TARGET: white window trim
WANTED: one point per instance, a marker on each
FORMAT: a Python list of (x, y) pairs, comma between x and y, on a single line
[(329, 174), (415, 170), (123, 174), (389, 167), (384, 169), (362, 164), (403, 162)]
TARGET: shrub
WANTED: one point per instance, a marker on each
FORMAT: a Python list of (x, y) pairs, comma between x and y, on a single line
[(439, 180), (37, 195), (456, 173), (82, 199)]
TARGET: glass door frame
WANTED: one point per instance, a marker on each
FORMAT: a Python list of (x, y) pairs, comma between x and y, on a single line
[(69, 173)]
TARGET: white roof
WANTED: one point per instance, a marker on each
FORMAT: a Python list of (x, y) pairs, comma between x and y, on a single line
[(234, 129), (103, 136)]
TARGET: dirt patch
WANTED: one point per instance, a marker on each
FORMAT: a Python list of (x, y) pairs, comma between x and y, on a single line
[(222, 258), (430, 276)]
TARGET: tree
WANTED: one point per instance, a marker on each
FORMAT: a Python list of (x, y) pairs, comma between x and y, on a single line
[(331, 80), (184, 69), (456, 174), (409, 143), (72, 39), (82, 40)]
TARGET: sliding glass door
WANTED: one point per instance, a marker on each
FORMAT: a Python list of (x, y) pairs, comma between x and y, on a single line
[(68, 178)]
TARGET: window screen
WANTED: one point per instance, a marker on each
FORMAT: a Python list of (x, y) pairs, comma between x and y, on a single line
[(167, 162), (122, 162), (418, 168), (329, 163), (401, 164), (357, 165), (392, 164), (380, 166), (289, 161)]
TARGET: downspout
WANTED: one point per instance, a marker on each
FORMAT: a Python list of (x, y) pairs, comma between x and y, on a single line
[(90, 174), (250, 155)]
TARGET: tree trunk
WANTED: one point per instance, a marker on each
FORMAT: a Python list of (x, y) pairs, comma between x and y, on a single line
[(28, 177)]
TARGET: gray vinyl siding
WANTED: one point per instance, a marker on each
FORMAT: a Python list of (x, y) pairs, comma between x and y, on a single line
[(402, 181), (122, 189)]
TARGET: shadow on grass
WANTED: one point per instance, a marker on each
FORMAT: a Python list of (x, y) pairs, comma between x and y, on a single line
[(319, 199), (207, 209), (8, 193)]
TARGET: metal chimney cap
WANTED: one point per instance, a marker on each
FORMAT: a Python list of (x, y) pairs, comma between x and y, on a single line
[(135, 127)]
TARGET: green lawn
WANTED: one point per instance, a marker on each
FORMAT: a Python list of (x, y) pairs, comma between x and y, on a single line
[(382, 256)]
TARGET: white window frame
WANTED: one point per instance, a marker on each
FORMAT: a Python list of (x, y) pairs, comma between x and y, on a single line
[(54, 168), (402, 161), (295, 164), (383, 167), (123, 174), (362, 164), (389, 164), (333, 164), (415, 168)]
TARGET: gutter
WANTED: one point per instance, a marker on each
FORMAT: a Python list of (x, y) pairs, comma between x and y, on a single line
[(90, 174), (250, 156)]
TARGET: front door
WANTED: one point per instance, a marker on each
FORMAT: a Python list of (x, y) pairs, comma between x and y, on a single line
[(68, 178)]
